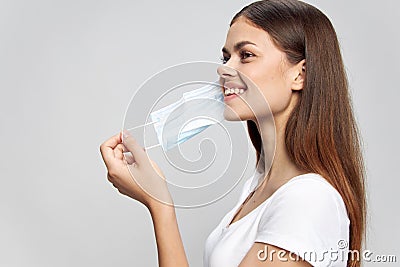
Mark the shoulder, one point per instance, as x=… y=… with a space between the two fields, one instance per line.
x=309 y=190
x=305 y=214
x=308 y=201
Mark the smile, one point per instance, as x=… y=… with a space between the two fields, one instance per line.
x=236 y=91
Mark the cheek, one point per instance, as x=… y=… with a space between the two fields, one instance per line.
x=278 y=98
x=268 y=92
x=273 y=88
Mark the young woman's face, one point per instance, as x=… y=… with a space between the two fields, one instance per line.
x=253 y=63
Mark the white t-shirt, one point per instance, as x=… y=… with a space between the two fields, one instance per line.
x=306 y=216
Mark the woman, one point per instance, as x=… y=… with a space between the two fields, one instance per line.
x=311 y=202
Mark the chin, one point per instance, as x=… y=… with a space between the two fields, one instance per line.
x=233 y=115
x=230 y=114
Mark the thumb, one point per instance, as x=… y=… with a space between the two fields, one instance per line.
x=133 y=146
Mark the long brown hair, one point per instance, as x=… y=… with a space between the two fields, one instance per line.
x=321 y=134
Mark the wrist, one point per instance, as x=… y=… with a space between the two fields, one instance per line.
x=156 y=206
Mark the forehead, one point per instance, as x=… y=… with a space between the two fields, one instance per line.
x=243 y=30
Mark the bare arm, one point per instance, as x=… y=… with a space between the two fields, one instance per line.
x=169 y=243
x=138 y=177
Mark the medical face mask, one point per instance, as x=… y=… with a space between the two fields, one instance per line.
x=193 y=113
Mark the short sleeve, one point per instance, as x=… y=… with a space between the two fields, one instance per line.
x=307 y=217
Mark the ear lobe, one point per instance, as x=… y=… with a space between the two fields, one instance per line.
x=298 y=81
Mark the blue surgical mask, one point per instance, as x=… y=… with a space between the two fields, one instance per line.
x=193 y=113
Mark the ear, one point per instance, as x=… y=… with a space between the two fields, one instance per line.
x=299 y=72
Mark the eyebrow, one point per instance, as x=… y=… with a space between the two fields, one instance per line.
x=238 y=46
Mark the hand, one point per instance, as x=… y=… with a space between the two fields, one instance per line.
x=135 y=174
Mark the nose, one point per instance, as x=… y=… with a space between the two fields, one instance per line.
x=225 y=71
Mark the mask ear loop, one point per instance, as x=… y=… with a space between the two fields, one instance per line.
x=141 y=126
x=149 y=147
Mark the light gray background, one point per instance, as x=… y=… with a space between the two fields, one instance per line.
x=67 y=72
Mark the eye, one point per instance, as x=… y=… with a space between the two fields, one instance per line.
x=245 y=54
x=224 y=59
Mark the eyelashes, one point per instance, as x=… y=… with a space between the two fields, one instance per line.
x=246 y=54
x=243 y=56
x=223 y=59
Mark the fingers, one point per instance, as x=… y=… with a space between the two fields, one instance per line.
x=132 y=146
x=113 y=149
x=129 y=158
x=122 y=152
x=107 y=148
x=119 y=150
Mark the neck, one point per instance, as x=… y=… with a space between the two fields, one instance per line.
x=275 y=161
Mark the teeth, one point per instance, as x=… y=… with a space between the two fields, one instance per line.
x=233 y=91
